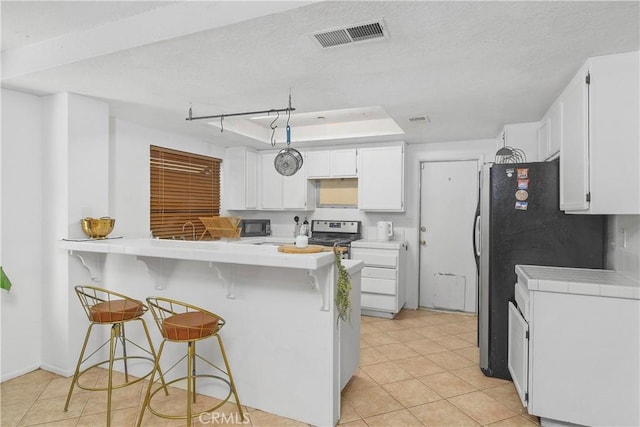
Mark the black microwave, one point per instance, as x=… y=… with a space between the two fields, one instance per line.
x=255 y=227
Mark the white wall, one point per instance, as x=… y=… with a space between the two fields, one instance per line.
x=129 y=175
x=623 y=245
x=20 y=231
x=75 y=184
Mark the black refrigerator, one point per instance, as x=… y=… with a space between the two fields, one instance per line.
x=519 y=221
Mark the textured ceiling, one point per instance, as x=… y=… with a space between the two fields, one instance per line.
x=470 y=67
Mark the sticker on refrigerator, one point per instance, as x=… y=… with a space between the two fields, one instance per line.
x=522 y=195
x=523 y=184
x=522 y=206
x=509 y=172
x=523 y=173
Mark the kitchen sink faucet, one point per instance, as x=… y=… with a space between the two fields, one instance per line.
x=193 y=230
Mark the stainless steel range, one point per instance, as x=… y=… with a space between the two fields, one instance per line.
x=335 y=233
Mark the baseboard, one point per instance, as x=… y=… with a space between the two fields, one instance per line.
x=11 y=375
x=56 y=370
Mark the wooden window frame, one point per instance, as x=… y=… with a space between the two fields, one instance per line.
x=183 y=187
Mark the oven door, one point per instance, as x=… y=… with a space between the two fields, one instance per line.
x=518 y=362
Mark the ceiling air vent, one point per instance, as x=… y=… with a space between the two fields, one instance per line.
x=348 y=35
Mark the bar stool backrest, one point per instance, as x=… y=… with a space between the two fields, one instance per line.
x=179 y=321
x=105 y=306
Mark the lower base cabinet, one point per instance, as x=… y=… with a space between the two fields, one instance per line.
x=383 y=283
x=574 y=346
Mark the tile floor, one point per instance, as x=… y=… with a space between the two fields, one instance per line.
x=418 y=369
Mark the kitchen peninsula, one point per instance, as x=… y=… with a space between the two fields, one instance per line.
x=289 y=353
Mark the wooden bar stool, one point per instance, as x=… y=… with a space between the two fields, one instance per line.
x=184 y=323
x=104 y=307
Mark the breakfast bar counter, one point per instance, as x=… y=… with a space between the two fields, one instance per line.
x=289 y=352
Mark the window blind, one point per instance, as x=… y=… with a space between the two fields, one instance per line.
x=184 y=187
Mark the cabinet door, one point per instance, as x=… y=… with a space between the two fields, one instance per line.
x=381 y=179
x=343 y=163
x=270 y=184
x=518 y=357
x=294 y=190
x=554 y=130
x=574 y=158
x=240 y=179
x=318 y=164
x=614 y=133
x=543 y=139
x=251 y=180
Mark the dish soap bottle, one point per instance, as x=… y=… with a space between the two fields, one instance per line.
x=296 y=229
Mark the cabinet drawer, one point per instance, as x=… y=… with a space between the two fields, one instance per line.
x=379 y=302
x=379 y=286
x=379 y=273
x=376 y=257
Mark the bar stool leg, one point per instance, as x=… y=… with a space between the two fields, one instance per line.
x=190 y=379
x=233 y=384
x=155 y=356
x=147 y=397
x=123 y=339
x=115 y=333
x=75 y=375
x=193 y=372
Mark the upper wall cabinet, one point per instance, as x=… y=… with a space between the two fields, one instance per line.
x=550 y=133
x=523 y=136
x=283 y=192
x=332 y=163
x=381 y=179
x=240 y=179
x=600 y=137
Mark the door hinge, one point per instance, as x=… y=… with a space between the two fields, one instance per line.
x=526 y=335
x=588 y=196
x=526 y=397
x=587 y=79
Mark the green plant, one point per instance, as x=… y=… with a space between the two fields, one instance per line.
x=5 y=283
x=343 y=291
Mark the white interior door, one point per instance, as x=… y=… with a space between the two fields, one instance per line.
x=448 y=200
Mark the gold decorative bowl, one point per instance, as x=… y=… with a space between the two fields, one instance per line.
x=97 y=228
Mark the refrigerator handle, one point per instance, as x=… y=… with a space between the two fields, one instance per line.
x=476 y=236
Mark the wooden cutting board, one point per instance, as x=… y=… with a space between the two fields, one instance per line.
x=311 y=249
x=293 y=249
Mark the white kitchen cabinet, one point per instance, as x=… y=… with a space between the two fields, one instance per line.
x=340 y=163
x=574 y=345
x=240 y=179
x=543 y=139
x=383 y=276
x=600 y=143
x=523 y=136
x=381 y=179
x=550 y=133
x=283 y=192
x=554 y=124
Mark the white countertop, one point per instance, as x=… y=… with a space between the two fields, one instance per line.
x=379 y=244
x=222 y=251
x=582 y=281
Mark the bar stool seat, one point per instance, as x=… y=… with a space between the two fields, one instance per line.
x=105 y=307
x=191 y=325
x=180 y=322
x=116 y=311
